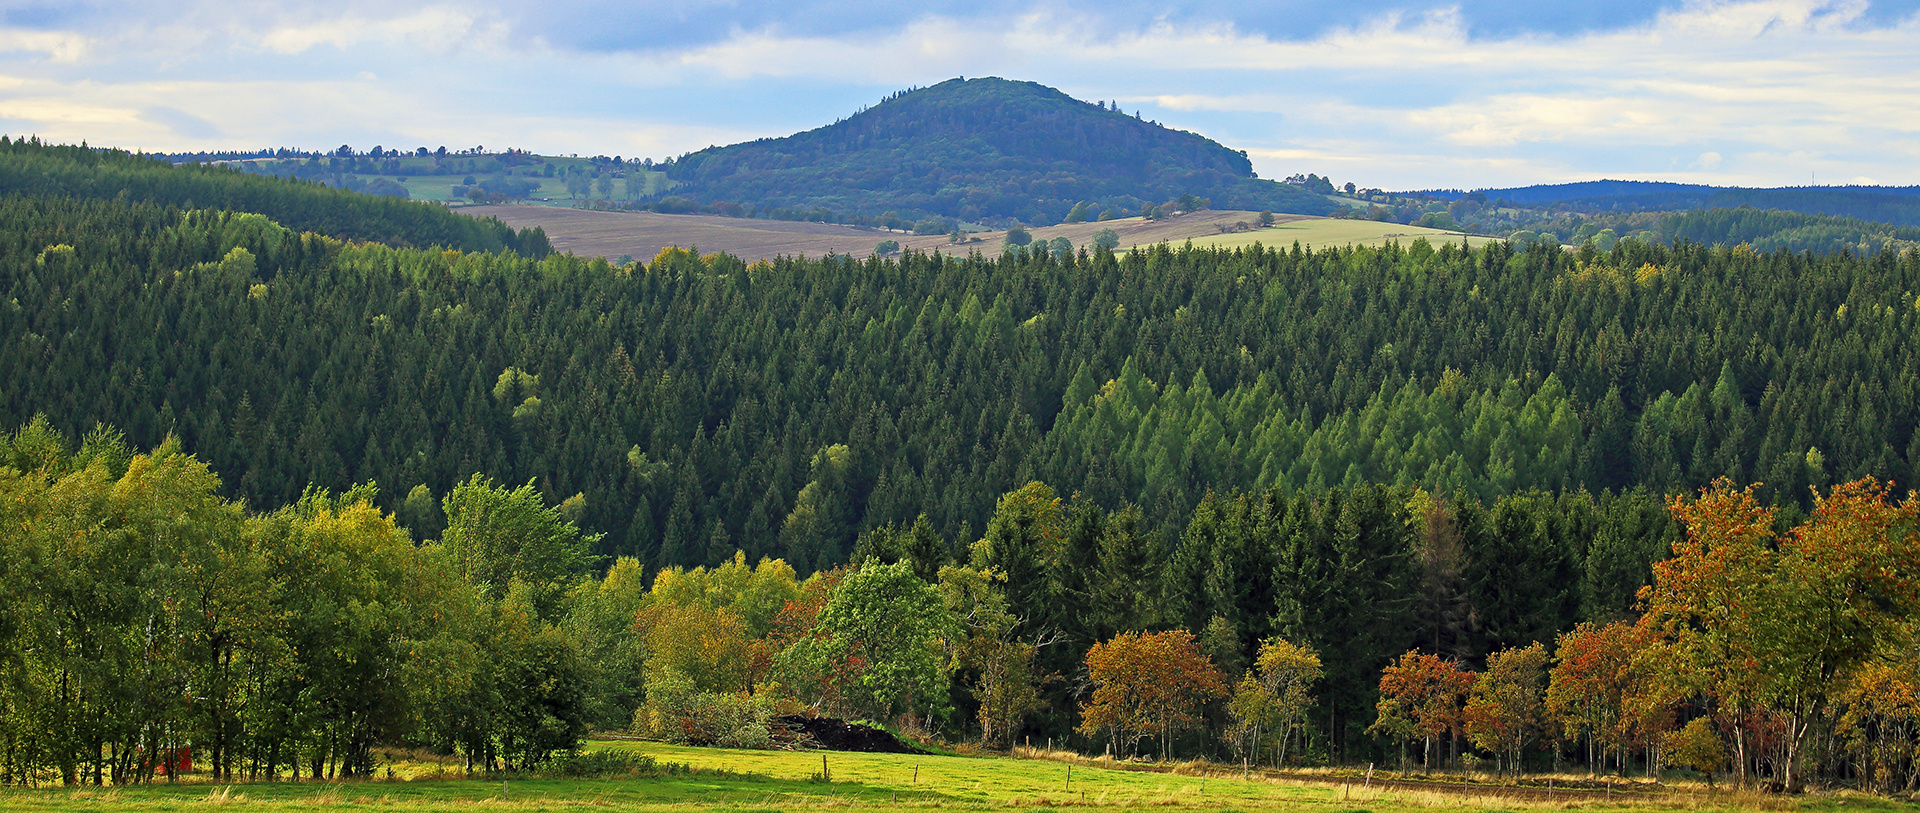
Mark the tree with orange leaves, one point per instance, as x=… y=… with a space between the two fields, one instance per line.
x=1706 y=601
x=1780 y=623
x=1846 y=582
x=1593 y=674
x=1148 y=684
x=1421 y=697
x=798 y=621
x=1506 y=711
x=1882 y=716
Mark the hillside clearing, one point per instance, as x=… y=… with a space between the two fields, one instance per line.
x=642 y=234
x=1324 y=232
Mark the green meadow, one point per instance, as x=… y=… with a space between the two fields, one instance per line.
x=731 y=781
x=1328 y=233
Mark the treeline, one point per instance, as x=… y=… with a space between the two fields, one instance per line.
x=699 y=405
x=1359 y=575
x=1896 y=207
x=1892 y=205
x=1772 y=230
x=1783 y=653
x=144 y=614
x=1765 y=230
x=33 y=169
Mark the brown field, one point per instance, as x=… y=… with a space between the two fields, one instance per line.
x=642 y=234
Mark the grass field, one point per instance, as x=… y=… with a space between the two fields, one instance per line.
x=643 y=234
x=780 y=781
x=1324 y=233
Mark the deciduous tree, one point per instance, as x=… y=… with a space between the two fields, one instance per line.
x=1148 y=684
x=1505 y=712
x=1421 y=697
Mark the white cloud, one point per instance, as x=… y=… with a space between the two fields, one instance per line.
x=1773 y=75
x=56 y=46
x=1778 y=89
x=437 y=29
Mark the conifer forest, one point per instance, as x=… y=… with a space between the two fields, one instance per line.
x=290 y=473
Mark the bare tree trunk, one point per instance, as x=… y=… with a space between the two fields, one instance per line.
x=1797 y=728
x=1740 y=749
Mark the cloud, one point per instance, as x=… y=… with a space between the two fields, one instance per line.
x=56 y=46
x=1402 y=93
x=436 y=28
x=1767 y=77
x=181 y=122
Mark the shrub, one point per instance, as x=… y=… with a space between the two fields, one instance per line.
x=676 y=713
x=605 y=762
x=935 y=225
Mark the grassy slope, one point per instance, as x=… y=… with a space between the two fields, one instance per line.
x=769 y=781
x=643 y=234
x=1326 y=233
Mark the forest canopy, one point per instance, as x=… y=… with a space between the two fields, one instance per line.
x=1400 y=487
x=698 y=404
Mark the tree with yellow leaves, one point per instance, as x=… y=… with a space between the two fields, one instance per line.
x=1148 y=684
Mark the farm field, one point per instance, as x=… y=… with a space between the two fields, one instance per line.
x=643 y=234
x=770 y=781
x=1327 y=232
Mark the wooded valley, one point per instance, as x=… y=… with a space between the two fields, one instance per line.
x=521 y=495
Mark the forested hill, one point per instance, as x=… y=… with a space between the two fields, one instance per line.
x=1895 y=205
x=984 y=149
x=31 y=168
x=1764 y=230
x=701 y=404
x=1770 y=230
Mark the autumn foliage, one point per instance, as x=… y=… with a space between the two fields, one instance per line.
x=1768 y=629
x=1593 y=684
x=1421 y=697
x=1751 y=639
x=1505 y=711
x=1148 y=684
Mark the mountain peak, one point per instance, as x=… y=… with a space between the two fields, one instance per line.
x=983 y=149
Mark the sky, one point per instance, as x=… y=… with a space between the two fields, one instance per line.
x=1397 y=95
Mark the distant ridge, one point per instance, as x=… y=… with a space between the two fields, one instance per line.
x=987 y=150
x=30 y=168
x=1551 y=193
x=1898 y=205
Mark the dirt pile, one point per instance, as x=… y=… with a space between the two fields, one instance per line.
x=833 y=734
